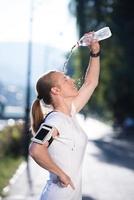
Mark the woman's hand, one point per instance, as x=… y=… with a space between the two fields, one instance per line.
x=94 y=47
x=65 y=180
x=93 y=43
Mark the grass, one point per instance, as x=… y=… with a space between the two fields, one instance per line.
x=8 y=166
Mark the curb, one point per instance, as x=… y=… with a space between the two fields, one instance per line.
x=19 y=171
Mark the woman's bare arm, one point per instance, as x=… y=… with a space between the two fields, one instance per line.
x=39 y=152
x=90 y=81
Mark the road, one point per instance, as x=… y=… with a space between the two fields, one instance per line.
x=108 y=170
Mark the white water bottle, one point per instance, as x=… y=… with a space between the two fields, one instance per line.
x=99 y=35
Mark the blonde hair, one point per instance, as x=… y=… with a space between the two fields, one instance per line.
x=43 y=88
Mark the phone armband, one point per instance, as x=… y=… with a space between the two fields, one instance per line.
x=44 y=134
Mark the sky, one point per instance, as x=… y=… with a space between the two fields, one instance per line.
x=52 y=22
x=53 y=28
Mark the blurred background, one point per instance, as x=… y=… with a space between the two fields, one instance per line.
x=37 y=36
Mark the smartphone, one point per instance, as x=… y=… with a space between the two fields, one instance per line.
x=43 y=134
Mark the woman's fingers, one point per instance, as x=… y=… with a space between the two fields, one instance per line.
x=91 y=33
x=65 y=180
x=72 y=185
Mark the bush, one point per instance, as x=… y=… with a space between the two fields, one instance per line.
x=10 y=152
x=11 y=140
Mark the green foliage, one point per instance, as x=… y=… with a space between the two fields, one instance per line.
x=11 y=141
x=10 y=152
x=114 y=97
x=123 y=20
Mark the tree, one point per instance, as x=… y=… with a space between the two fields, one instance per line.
x=115 y=94
x=122 y=77
x=92 y=15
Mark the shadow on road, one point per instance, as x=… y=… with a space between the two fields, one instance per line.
x=115 y=151
x=87 y=198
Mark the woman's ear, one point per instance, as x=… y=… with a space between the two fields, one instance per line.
x=55 y=90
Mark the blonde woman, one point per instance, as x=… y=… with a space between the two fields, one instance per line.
x=64 y=156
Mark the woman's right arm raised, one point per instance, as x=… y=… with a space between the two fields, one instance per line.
x=39 y=152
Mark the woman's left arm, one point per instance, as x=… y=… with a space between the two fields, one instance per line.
x=91 y=78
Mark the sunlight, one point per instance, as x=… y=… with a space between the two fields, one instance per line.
x=52 y=22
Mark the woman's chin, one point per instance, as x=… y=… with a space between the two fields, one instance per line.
x=76 y=93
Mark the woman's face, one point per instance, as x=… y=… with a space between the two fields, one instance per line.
x=66 y=85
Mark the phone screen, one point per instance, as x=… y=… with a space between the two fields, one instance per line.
x=41 y=134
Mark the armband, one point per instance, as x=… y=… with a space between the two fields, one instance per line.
x=44 y=134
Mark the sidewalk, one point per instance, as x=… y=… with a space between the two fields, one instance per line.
x=28 y=186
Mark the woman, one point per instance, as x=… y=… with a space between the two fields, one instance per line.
x=63 y=158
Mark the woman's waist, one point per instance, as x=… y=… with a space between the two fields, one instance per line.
x=74 y=174
x=76 y=179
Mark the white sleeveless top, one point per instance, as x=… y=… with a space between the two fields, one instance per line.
x=67 y=151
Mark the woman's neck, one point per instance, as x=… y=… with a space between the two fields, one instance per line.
x=64 y=107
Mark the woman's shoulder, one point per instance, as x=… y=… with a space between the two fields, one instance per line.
x=54 y=119
x=53 y=115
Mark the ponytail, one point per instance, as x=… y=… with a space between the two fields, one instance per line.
x=36 y=115
x=43 y=88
